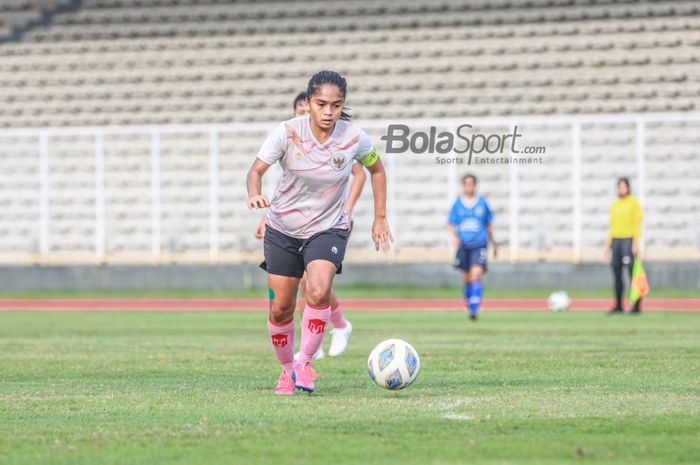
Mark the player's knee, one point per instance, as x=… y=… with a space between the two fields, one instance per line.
x=281 y=311
x=318 y=295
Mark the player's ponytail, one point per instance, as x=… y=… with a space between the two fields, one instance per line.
x=329 y=77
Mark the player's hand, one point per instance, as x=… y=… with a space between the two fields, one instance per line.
x=495 y=250
x=352 y=223
x=606 y=253
x=259 y=232
x=381 y=234
x=258 y=201
x=635 y=248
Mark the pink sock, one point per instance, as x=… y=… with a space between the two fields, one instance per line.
x=313 y=328
x=337 y=317
x=283 y=341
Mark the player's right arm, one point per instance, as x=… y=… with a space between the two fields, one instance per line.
x=452 y=226
x=270 y=152
x=453 y=234
x=254 y=185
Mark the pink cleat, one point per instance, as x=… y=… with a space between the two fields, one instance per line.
x=285 y=384
x=304 y=377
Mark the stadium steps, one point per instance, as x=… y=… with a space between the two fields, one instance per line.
x=232 y=19
x=20 y=17
x=638 y=57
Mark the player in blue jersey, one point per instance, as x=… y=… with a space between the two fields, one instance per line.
x=471 y=226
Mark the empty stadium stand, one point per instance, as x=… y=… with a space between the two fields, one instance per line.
x=104 y=63
x=128 y=61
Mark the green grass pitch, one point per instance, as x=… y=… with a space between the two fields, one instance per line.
x=190 y=388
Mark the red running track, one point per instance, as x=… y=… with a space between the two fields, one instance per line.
x=357 y=304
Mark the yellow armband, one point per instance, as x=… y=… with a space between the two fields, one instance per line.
x=370 y=159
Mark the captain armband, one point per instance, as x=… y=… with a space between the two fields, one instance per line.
x=370 y=159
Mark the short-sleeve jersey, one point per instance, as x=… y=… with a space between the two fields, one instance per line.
x=471 y=221
x=310 y=196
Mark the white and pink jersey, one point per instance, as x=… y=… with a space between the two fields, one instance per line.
x=310 y=197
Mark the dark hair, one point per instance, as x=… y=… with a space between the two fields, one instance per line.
x=467 y=176
x=328 y=77
x=300 y=98
x=626 y=181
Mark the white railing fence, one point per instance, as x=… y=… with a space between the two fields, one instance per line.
x=159 y=194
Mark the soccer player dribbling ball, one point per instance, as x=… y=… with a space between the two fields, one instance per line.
x=342 y=328
x=307 y=224
x=470 y=225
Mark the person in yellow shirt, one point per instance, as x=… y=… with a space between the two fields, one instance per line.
x=623 y=240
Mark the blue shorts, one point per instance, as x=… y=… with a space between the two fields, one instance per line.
x=466 y=258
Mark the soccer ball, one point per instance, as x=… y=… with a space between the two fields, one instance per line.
x=558 y=301
x=393 y=364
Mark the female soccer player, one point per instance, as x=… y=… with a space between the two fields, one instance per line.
x=307 y=225
x=470 y=225
x=342 y=328
x=623 y=240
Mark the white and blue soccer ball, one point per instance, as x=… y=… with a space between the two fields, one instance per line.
x=558 y=301
x=393 y=364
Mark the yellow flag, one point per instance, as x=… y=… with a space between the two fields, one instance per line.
x=640 y=285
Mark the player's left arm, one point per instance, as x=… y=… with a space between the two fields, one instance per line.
x=492 y=239
x=367 y=156
x=489 y=230
x=381 y=234
x=358 y=182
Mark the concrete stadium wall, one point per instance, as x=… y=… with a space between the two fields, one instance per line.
x=684 y=275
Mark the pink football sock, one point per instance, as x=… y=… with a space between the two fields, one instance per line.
x=337 y=317
x=313 y=328
x=283 y=342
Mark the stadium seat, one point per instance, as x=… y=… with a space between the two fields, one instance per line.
x=137 y=62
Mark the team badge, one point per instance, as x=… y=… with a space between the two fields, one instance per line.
x=297 y=155
x=338 y=161
x=279 y=340
x=317 y=326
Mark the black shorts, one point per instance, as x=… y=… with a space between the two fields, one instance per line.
x=288 y=256
x=622 y=252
